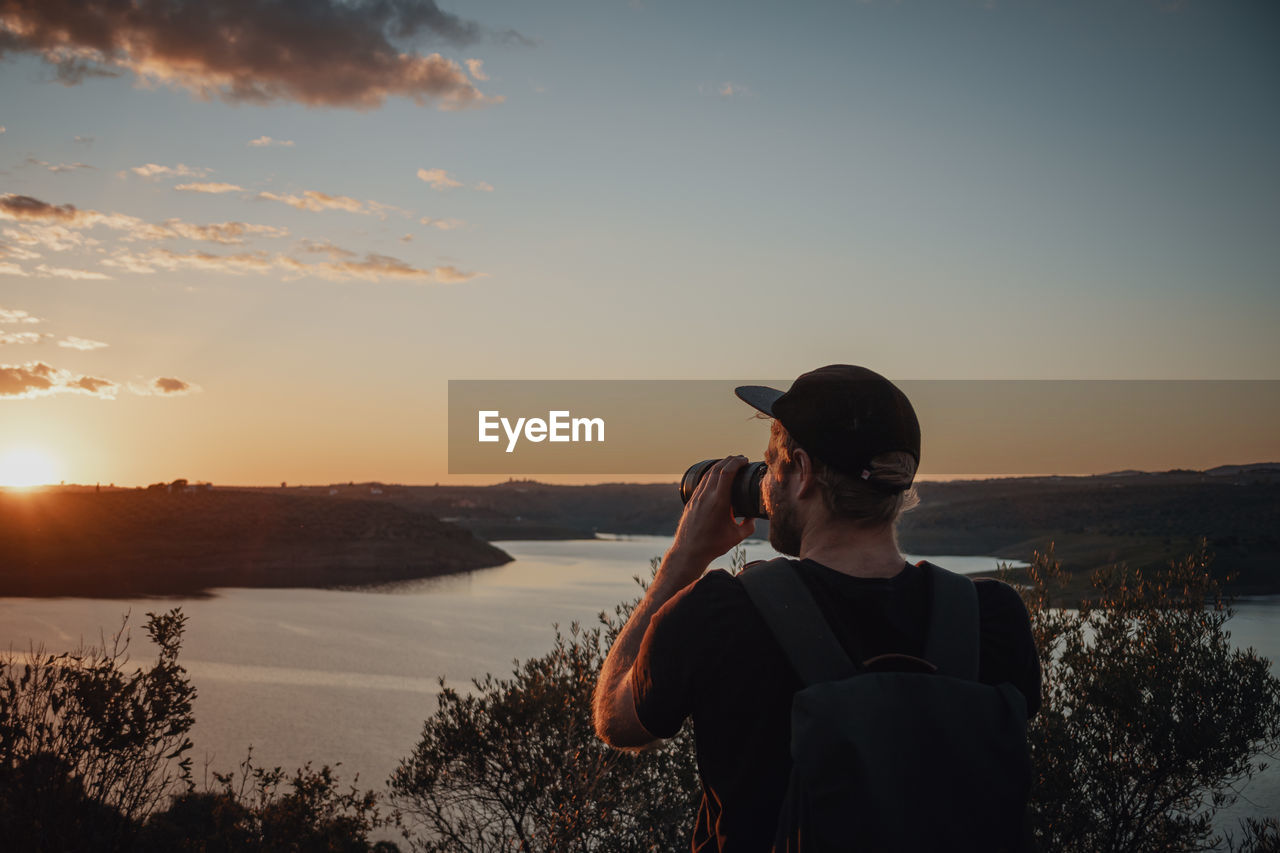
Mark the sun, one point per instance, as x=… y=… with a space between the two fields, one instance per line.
x=27 y=466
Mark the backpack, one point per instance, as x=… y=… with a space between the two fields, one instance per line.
x=896 y=753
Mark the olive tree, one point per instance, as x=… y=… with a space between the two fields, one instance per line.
x=89 y=750
x=514 y=764
x=1151 y=718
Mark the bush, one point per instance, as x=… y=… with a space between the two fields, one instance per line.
x=263 y=812
x=1150 y=718
x=516 y=765
x=88 y=752
x=89 y=755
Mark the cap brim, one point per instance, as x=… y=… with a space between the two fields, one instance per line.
x=760 y=397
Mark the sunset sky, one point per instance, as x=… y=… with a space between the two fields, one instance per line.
x=250 y=241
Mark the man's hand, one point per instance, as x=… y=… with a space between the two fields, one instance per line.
x=707 y=530
x=708 y=527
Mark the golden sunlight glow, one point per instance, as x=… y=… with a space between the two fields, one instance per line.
x=27 y=466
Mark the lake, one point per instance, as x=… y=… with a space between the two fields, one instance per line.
x=332 y=676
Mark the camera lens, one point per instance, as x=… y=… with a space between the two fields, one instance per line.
x=745 y=495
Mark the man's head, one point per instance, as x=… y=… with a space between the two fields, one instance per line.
x=844 y=449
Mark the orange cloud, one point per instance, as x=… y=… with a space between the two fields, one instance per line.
x=375 y=267
x=93 y=385
x=265 y=141
x=55 y=238
x=317 y=201
x=64 y=272
x=153 y=259
x=171 y=385
x=153 y=170
x=84 y=344
x=23 y=207
x=17 y=315
x=210 y=187
x=322 y=53
x=227 y=233
x=37 y=379
x=20 y=337
x=442 y=224
x=341 y=267
x=325 y=248
x=438 y=178
x=58 y=167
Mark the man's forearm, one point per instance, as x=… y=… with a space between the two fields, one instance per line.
x=677 y=571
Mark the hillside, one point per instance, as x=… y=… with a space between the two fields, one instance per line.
x=127 y=542
x=1141 y=518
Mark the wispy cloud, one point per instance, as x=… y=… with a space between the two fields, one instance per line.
x=442 y=224
x=317 y=201
x=57 y=167
x=7 y=268
x=484 y=187
x=64 y=272
x=210 y=187
x=41 y=223
x=23 y=207
x=724 y=90
x=55 y=238
x=83 y=344
x=155 y=170
x=382 y=210
x=17 y=315
x=476 y=67
x=37 y=379
x=324 y=248
x=19 y=337
x=375 y=267
x=267 y=141
x=83 y=140
x=342 y=265
x=166 y=259
x=325 y=52
x=439 y=179
x=172 y=385
x=227 y=233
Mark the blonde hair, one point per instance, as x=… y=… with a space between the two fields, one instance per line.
x=850 y=498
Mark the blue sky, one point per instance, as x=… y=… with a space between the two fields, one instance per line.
x=700 y=190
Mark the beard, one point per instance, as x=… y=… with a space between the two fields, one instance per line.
x=784 y=528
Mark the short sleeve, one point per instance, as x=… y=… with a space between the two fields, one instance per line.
x=664 y=676
x=1008 y=647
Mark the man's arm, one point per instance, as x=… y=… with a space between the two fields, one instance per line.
x=707 y=530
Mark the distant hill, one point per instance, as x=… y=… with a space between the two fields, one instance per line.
x=125 y=541
x=156 y=542
x=1139 y=517
x=1142 y=519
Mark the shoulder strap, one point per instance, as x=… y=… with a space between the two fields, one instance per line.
x=952 y=642
x=797 y=624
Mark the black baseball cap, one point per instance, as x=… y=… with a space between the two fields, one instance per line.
x=843 y=416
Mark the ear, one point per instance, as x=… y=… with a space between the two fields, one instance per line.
x=806 y=476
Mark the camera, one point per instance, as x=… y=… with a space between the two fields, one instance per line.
x=745 y=495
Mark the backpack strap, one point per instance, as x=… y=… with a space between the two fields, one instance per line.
x=952 y=641
x=796 y=622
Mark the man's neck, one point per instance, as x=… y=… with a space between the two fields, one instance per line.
x=854 y=551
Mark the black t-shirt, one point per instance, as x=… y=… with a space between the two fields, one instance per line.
x=709 y=655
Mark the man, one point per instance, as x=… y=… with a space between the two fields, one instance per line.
x=843 y=451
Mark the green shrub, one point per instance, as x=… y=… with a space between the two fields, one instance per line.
x=87 y=750
x=1151 y=719
x=515 y=765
